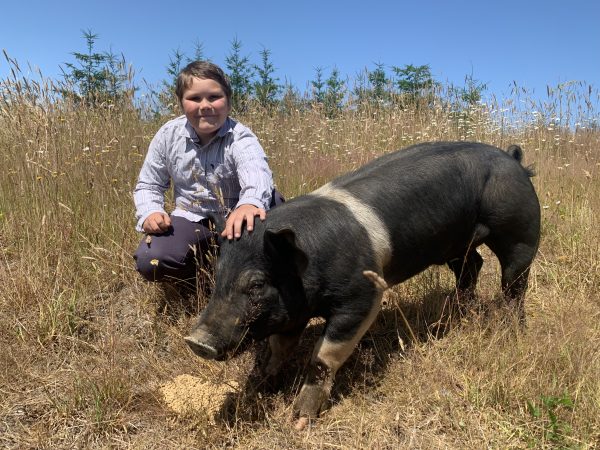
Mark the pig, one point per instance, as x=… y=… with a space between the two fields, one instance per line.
x=332 y=253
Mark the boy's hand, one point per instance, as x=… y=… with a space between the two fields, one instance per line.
x=157 y=223
x=244 y=213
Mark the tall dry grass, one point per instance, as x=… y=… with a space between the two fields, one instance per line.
x=86 y=344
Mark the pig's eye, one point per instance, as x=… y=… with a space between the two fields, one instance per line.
x=256 y=287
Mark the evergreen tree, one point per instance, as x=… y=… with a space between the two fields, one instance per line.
x=240 y=75
x=372 y=87
x=361 y=87
x=97 y=77
x=318 y=86
x=379 y=83
x=472 y=90
x=334 y=94
x=173 y=69
x=118 y=77
x=414 y=82
x=167 y=99
x=87 y=79
x=198 y=52
x=291 y=99
x=266 y=88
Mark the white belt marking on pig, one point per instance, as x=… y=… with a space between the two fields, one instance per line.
x=367 y=217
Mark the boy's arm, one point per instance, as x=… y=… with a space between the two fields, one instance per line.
x=254 y=175
x=153 y=181
x=256 y=183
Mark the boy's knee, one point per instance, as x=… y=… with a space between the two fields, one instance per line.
x=156 y=263
x=149 y=265
x=174 y=254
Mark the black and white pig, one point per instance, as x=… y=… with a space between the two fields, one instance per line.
x=330 y=253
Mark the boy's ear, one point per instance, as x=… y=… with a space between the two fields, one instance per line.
x=283 y=253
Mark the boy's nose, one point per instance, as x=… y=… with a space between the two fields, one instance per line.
x=205 y=104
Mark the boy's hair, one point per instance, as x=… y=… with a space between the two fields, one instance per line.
x=204 y=70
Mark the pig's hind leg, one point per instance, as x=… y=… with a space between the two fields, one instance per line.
x=511 y=211
x=515 y=261
x=466 y=271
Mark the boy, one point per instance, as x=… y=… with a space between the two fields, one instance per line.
x=215 y=163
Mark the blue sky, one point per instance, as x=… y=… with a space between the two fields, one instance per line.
x=534 y=43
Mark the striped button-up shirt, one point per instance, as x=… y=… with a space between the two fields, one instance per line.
x=229 y=171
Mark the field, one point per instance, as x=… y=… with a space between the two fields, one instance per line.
x=86 y=345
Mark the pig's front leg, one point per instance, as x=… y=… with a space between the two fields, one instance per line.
x=270 y=357
x=280 y=348
x=328 y=356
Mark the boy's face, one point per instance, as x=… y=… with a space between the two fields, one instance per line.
x=206 y=107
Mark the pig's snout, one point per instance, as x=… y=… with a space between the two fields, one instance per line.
x=215 y=340
x=202 y=346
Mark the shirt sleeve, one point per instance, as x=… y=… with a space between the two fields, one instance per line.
x=254 y=175
x=153 y=181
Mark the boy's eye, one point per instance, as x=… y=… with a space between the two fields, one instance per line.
x=199 y=98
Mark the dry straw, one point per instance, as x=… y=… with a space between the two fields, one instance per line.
x=86 y=345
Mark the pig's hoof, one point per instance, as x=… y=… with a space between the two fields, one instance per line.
x=311 y=400
x=301 y=423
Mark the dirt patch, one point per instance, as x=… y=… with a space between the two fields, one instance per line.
x=188 y=394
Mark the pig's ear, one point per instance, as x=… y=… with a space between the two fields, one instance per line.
x=284 y=254
x=219 y=222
